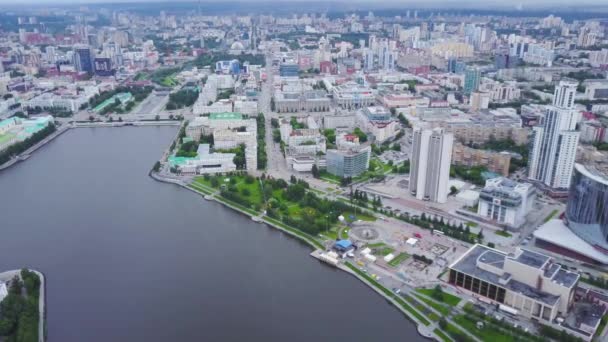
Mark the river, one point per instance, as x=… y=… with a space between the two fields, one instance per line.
x=127 y=258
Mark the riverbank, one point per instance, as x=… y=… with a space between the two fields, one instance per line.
x=423 y=325
x=67 y=126
x=8 y=275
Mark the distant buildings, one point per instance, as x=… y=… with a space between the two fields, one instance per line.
x=83 y=59
x=596 y=89
x=472 y=77
x=352 y=95
x=505 y=201
x=555 y=141
x=430 y=159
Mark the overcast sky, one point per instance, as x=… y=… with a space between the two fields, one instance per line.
x=483 y=4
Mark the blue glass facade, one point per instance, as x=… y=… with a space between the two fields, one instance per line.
x=587 y=210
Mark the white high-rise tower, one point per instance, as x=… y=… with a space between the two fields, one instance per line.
x=555 y=140
x=430 y=158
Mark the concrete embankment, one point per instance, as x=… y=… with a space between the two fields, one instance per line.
x=8 y=275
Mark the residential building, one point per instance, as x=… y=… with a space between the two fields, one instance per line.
x=83 y=59
x=505 y=201
x=497 y=162
x=555 y=141
x=430 y=160
x=472 y=77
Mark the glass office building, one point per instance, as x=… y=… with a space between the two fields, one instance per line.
x=587 y=210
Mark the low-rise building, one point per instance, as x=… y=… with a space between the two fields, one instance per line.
x=306 y=101
x=524 y=283
x=352 y=95
x=498 y=162
x=505 y=201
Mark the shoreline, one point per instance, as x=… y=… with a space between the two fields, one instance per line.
x=421 y=328
x=23 y=156
x=41 y=299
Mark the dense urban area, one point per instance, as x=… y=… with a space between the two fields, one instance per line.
x=455 y=161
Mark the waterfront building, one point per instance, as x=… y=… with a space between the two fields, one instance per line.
x=525 y=283
x=205 y=162
x=555 y=141
x=430 y=159
x=505 y=201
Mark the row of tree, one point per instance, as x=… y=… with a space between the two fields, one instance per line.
x=15 y=149
x=19 y=309
x=182 y=98
x=262 y=154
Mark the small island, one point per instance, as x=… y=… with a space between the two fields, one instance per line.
x=22 y=306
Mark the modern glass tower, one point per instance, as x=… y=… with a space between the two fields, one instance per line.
x=587 y=210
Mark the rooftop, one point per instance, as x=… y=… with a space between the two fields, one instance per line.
x=226 y=116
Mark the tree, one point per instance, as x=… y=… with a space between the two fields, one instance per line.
x=315 y=171
x=91 y=118
x=443 y=323
x=453 y=190
x=491 y=244
x=119 y=119
x=437 y=293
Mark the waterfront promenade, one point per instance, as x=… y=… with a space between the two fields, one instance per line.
x=424 y=328
x=8 y=275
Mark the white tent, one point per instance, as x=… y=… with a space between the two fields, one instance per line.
x=412 y=242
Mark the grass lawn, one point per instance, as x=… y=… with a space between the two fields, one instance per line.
x=387 y=292
x=308 y=238
x=254 y=189
x=384 y=251
x=358 y=216
x=398 y=259
x=551 y=215
x=503 y=233
x=448 y=299
x=328 y=177
x=344 y=233
x=331 y=234
x=452 y=330
x=442 y=335
x=201 y=188
x=472 y=224
x=487 y=333
x=438 y=307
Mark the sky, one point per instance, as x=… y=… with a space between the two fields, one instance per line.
x=483 y=4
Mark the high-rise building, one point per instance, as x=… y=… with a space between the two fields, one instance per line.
x=472 y=77
x=83 y=59
x=430 y=158
x=555 y=140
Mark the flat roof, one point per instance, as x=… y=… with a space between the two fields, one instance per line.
x=557 y=233
x=226 y=116
x=468 y=264
x=531 y=259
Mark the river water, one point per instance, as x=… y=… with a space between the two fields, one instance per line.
x=131 y=259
